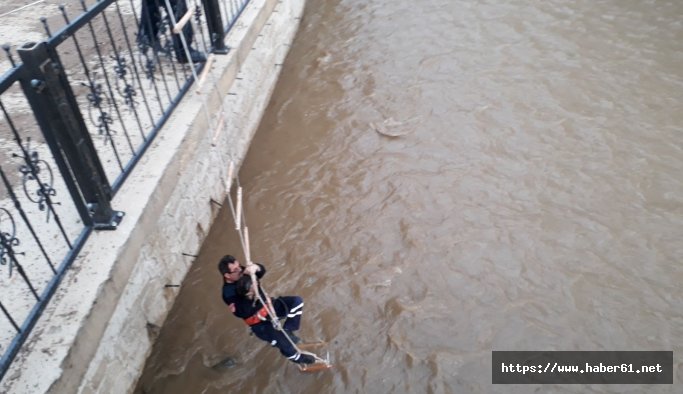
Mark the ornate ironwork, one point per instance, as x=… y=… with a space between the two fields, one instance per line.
x=163 y=26
x=95 y=95
x=103 y=125
x=160 y=47
x=128 y=92
x=8 y=239
x=150 y=68
x=31 y=171
x=121 y=69
x=197 y=14
x=100 y=118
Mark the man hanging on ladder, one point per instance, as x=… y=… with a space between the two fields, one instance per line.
x=238 y=294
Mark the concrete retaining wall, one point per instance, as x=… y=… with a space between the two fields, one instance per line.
x=97 y=332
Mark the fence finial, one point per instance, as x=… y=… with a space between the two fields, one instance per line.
x=43 y=20
x=7 y=48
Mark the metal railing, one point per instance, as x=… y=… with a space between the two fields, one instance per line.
x=79 y=110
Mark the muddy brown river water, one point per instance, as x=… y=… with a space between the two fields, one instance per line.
x=530 y=199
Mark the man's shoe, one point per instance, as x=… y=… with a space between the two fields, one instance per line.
x=195 y=56
x=306 y=359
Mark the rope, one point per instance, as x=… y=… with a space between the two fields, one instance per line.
x=21 y=8
x=237 y=213
x=243 y=231
x=188 y=58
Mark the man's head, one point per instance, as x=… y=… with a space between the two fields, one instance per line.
x=230 y=268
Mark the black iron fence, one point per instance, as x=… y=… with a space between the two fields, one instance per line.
x=78 y=110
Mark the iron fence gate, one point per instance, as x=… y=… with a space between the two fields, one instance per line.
x=78 y=111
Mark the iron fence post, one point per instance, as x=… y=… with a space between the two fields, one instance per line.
x=214 y=21
x=56 y=110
